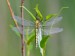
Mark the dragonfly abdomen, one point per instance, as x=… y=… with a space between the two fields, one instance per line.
x=36 y=38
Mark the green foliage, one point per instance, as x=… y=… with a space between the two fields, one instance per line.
x=43 y=41
x=49 y=16
x=31 y=38
x=38 y=12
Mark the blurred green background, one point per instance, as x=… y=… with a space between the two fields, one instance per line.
x=62 y=44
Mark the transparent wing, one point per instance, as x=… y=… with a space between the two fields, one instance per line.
x=26 y=30
x=52 y=31
x=53 y=21
x=26 y=22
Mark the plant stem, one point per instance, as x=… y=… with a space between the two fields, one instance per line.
x=44 y=50
x=28 y=50
x=22 y=35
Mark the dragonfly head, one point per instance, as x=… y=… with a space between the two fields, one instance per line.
x=38 y=18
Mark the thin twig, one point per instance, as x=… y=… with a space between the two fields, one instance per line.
x=22 y=35
x=12 y=14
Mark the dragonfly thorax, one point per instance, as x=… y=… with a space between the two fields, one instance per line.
x=37 y=24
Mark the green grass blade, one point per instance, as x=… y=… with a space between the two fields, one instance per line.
x=29 y=12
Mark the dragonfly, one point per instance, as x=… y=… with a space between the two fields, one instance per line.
x=40 y=27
